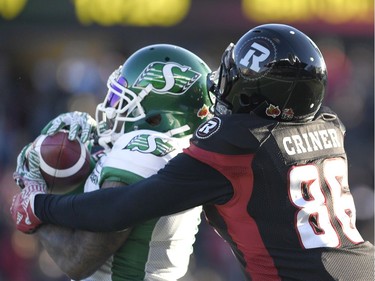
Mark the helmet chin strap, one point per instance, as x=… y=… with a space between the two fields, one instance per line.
x=106 y=142
x=177 y=131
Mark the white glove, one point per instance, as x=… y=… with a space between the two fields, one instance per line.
x=29 y=178
x=27 y=170
x=80 y=124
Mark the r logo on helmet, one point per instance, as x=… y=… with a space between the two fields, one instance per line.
x=255 y=54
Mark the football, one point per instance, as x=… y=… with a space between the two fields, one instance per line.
x=64 y=164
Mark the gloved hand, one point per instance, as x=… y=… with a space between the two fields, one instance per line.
x=28 y=167
x=22 y=209
x=80 y=124
x=28 y=177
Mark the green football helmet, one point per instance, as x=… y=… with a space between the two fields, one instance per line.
x=160 y=87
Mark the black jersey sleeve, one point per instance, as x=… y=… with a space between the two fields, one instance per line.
x=183 y=183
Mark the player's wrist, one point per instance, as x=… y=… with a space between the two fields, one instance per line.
x=32 y=201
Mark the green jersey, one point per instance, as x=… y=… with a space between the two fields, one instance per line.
x=158 y=249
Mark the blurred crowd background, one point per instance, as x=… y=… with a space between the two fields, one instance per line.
x=55 y=56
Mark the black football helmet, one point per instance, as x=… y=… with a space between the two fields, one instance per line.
x=274 y=70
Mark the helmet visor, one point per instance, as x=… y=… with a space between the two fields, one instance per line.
x=114 y=92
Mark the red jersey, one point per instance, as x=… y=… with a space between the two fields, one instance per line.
x=291 y=216
x=277 y=192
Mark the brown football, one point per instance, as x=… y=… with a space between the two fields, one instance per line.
x=64 y=164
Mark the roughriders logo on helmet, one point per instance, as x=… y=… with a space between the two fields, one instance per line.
x=167 y=78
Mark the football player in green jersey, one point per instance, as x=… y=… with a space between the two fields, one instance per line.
x=155 y=101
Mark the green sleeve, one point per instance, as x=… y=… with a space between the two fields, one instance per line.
x=118 y=175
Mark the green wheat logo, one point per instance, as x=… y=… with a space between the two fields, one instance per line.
x=167 y=78
x=146 y=143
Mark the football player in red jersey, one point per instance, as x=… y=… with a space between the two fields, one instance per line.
x=270 y=170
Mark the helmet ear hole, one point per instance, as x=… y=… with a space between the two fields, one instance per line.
x=154 y=120
x=245 y=100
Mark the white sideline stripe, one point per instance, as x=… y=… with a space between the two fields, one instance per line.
x=60 y=173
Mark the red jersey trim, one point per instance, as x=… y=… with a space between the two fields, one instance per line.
x=241 y=227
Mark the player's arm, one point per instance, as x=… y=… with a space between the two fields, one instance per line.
x=80 y=253
x=183 y=183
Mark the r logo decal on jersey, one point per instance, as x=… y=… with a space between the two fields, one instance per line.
x=149 y=144
x=167 y=78
x=208 y=128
